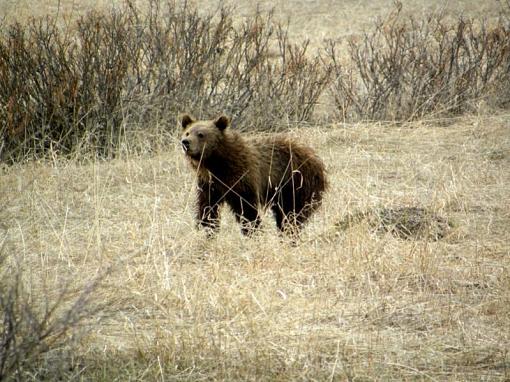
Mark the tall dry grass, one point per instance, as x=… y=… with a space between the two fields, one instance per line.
x=346 y=303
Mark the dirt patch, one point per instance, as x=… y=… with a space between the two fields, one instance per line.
x=402 y=222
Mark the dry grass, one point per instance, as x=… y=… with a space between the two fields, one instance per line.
x=314 y=20
x=345 y=304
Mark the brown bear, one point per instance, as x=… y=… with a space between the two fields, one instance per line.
x=274 y=172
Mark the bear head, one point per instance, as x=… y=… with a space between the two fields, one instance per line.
x=200 y=138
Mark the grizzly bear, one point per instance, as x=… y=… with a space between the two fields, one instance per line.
x=272 y=172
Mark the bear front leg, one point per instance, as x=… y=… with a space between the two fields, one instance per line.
x=246 y=213
x=208 y=215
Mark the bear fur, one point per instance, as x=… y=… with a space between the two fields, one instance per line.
x=247 y=174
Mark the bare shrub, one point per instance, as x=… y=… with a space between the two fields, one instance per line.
x=130 y=68
x=55 y=86
x=33 y=324
x=206 y=64
x=407 y=68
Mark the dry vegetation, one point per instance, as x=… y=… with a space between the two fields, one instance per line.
x=125 y=70
x=346 y=303
x=102 y=268
x=408 y=68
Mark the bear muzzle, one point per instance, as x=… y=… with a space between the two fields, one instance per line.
x=185 y=145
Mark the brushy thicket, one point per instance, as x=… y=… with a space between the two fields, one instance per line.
x=114 y=75
x=129 y=68
x=408 y=68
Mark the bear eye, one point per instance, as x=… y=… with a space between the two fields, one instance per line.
x=187 y=134
x=200 y=135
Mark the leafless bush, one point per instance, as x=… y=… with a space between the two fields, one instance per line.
x=32 y=326
x=205 y=64
x=130 y=67
x=407 y=68
x=55 y=86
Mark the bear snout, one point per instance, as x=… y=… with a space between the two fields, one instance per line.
x=185 y=144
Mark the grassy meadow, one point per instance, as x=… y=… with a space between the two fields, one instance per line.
x=107 y=253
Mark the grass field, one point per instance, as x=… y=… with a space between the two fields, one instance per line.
x=314 y=20
x=342 y=304
x=347 y=302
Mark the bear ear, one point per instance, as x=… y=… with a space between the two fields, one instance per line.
x=186 y=120
x=222 y=122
